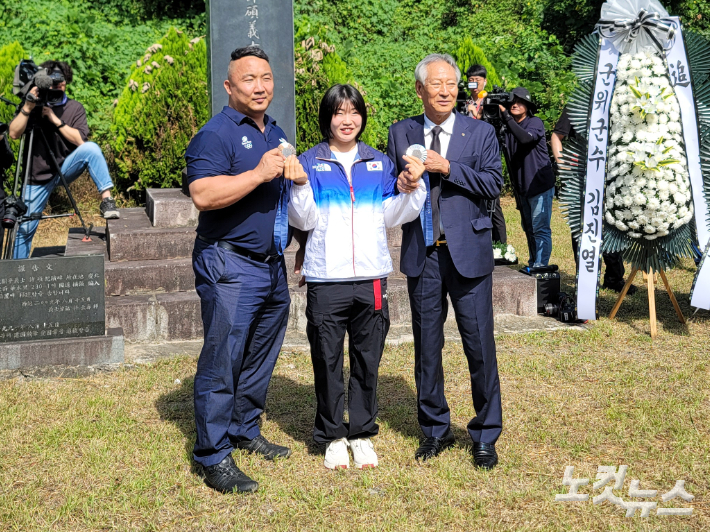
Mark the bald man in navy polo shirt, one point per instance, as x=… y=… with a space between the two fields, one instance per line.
x=235 y=173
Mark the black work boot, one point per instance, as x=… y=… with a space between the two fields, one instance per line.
x=227 y=477
x=262 y=446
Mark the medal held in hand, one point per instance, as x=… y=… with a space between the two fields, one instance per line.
x=286 y=149
x=418 y=151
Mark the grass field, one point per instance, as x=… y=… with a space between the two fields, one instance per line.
x=112 y=452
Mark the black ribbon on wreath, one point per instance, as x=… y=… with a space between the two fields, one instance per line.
x=623 y=32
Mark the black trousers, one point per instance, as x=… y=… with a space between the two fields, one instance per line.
x=361 y=309
x=614 y=272
x=499 y=229
x=472 y=300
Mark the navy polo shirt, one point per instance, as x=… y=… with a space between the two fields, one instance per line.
x=230 y=144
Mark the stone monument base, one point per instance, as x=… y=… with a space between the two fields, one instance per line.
x=81 y=351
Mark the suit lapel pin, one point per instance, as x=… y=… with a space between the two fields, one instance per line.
x=463 y=134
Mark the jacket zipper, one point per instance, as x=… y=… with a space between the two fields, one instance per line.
x=352 y=204
x=352 y=219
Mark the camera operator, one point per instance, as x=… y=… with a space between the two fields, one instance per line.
x=66 y=130
x=614 y=272
x=531 y=174
x=474 y=106
x=477 y=75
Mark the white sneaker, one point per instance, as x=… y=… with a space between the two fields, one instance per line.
x=336 y=455
x=363 y=453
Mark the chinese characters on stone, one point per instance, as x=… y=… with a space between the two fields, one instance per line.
x=252 y=14
x=611 y=478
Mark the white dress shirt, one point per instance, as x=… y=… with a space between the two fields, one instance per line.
x=444 y=136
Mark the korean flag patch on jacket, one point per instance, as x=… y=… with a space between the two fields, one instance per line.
x=374 y=166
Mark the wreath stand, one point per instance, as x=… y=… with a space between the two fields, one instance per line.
x=650 y=279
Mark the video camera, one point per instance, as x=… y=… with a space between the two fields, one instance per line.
x=564 y=310
x=462 y=97
x=29 y=75
x=491 y=109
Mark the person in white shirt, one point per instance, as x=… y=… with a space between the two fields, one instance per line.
x=346 y=206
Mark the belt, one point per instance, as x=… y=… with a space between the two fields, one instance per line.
x=258 y=257
x=437 y=244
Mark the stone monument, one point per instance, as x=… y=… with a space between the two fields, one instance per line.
x=264 y=23
x=52 y=312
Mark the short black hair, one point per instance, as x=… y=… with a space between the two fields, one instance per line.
x=61 y=66
x=478 y=71
x=249 y=50
x=332 y=100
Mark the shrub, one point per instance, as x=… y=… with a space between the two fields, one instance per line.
x=163 y=105
x=318 y=67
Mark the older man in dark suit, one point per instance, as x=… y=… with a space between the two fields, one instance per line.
x=448 y=251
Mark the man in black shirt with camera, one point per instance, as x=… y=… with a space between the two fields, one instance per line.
x=64 y=126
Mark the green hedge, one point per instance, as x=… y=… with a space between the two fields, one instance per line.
x=163 y=105
x=10 y=56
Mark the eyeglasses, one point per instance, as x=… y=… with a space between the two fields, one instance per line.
x=436 y=85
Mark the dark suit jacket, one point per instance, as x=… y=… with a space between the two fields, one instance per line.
x=476 y=176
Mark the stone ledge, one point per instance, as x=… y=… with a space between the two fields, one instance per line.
x=132 y=237
x=176 y=316
x=169 y=207
x=83 y=351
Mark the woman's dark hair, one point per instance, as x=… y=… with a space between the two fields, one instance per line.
x=333 y=99
x=476 y=71
x=63 y=67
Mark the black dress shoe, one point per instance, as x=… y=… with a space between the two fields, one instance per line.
x=227 y=477
x=484 y=455
x=431 y=447
x=263 y=447
x=618 y=287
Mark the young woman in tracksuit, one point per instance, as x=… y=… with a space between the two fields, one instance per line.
x=346 y=206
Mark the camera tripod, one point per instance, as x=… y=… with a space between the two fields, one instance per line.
x=15 y=201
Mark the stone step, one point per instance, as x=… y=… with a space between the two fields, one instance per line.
x=137 y=277
x=84 y=351
x=132 y=237
x=394 y=237
x=76 y=245
x=169 y=207
x=176 y=316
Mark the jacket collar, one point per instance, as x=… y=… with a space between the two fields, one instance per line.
x=459 y=138
x=364 y=152
x=240 y=118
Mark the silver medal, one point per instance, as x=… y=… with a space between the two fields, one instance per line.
x=287 y=149
x=418 y=151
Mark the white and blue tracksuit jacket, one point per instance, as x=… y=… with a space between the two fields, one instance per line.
x=347 y=239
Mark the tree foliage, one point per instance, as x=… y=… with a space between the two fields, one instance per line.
x=163 y=105
x=373 y=44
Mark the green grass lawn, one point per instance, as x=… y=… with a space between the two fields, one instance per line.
x=112 y=452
